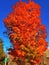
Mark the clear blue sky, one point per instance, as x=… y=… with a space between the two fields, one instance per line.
x=5 y=9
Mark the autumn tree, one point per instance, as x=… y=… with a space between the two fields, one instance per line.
x=2 y=54
x=26 y=32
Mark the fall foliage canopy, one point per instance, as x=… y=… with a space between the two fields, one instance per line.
x=26 y=32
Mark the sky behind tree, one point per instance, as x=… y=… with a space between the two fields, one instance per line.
x=6 y=8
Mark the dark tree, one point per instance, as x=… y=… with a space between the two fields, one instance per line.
x=2 y=54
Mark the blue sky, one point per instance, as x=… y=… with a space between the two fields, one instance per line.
x=5 y=9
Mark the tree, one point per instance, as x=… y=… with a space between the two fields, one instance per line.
x=2 y=54
x=26 y=32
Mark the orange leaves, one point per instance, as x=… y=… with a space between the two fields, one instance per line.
x=28 y=34
x=41 y=49
x=32 y=61
x=23 y=53
x=33 y=5
x=13 y=36
x=32 y=43
x=6 y=21
x=34 y=25
x=20 y=53
x=43 y=28
x=16 y=30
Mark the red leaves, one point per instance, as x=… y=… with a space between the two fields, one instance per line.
x=27 y=31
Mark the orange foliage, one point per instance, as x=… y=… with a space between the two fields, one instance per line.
x=26 y=31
